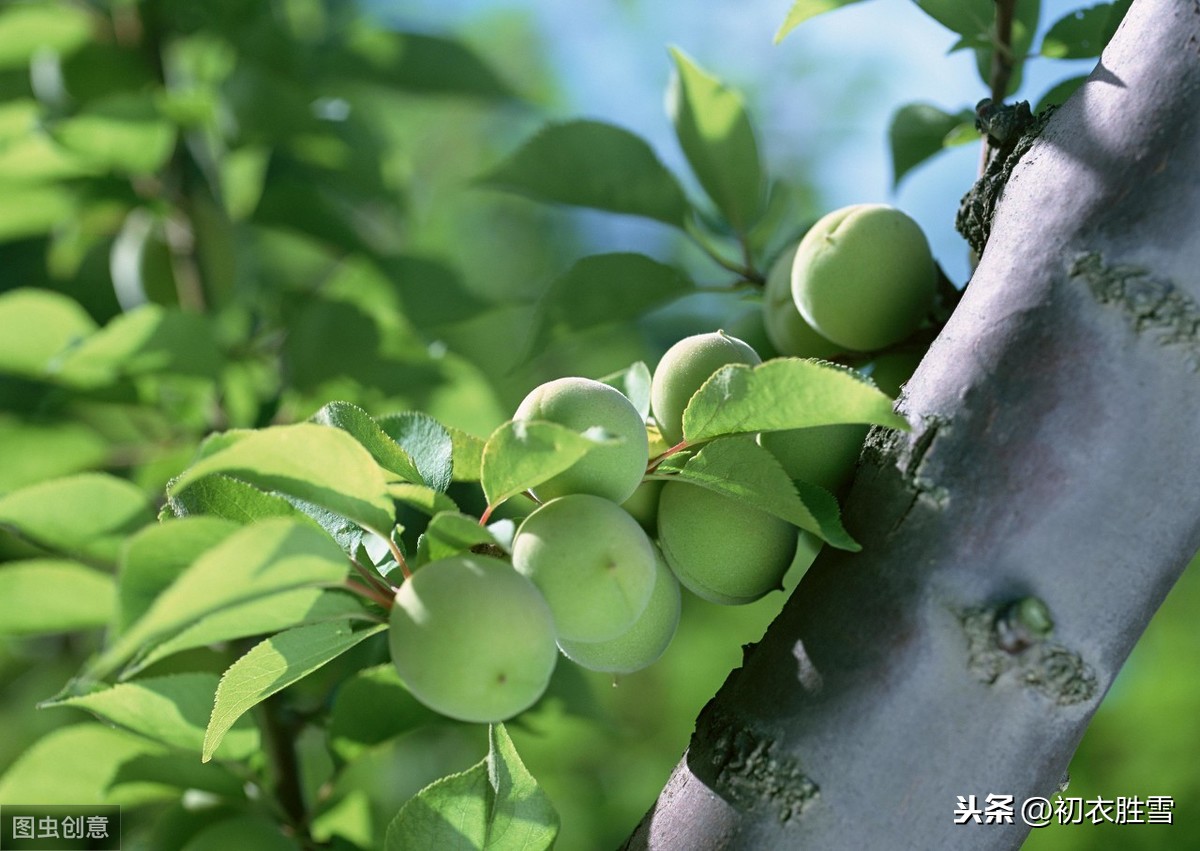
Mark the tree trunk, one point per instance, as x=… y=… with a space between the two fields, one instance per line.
x=1051 y=475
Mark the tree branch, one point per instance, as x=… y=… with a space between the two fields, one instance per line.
x=1050 y=417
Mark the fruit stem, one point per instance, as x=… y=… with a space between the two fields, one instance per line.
x=399 y=556
x=658 y=459
x=373 y=579
x=487 y=513
x=372 y=594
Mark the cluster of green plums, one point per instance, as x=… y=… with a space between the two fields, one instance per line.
x=597 y=567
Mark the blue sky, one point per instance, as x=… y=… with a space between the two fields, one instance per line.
x=824 y=96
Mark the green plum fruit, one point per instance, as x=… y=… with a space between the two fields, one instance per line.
x=821 y=455
x=612 y=471
x=686 y=366
x=863 y=276
x=890 y=371
x=786 y=329
x=643 y=643
x=591 y=561
x=472 y=638
x=720 y=548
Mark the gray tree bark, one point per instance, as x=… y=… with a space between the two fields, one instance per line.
x=1051 y=476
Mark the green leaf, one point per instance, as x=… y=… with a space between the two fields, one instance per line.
x=77 y=765
x=419 y=63
x=715 y=134
x=494 y=806
x=26 y=28
x=35 y=325
x=30 y=211
x=172 y=710
x=316 y=463
x=971 y=19
x=592 y=164
x=604 y=289
x=634 y=383
x=32 y=451
x=824 y=507
x=918 y=131
x=146 y=340
x=247 y=831
x=358 y=423
x=122 y=132
x=522 y=455
x=782 y=394
x=426 y=500
x=221 y=496
x=87 y=516
x=273 y=665
x=467 y=455
x=426 y=441
x=1115 y=16
x=255 y=561
x=1059 y=93
x=258 y=617
x=1078 y=35
x=371 y=707
x=738 y=467
x=802 y=10
x=153 y=558
x=450 y=533
x=52 y=595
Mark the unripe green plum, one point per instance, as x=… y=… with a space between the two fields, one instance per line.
x=643 y=643
x=892 y=370
x=821 y=455
x=611 y=471
x=472 y=638
x=863 y=276
x=686 y=366
x=789 y=333
x=720 y=548
x=591 y=561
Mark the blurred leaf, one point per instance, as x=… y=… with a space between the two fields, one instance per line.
x=802 y=10
x=969 y=18
x=738 y=467
x=370 y=707
x=88 y=515
x=521 y=455
x=782 y=394
x=153 y=558
x=496 y=806
x=918 y=131
x=604 y=289
x=266 y=558
x=273 y=665
x=258 y=617
x=172 y=710
x=962 y=134
x=466 y=455
x=591 y=164
x=35 y=325
x=33 y=210
x=419 y=63
x=433 y=294
x=1115 y=16
x=51 y=595
x=1058 y=94
x=32 y=451
x=76 y=765
x=424 y=499
x=717 y=138
x=123 y=132
x=242 y=175
x=246 y=831
x=634 y=383
x=312 y=462
x=147 y=339
x=383 y=448
x=426 y=441
x=26 y=28
x=1079 y=34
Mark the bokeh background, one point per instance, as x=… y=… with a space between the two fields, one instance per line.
x=345 y=250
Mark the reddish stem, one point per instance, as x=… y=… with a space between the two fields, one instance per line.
x=372 y=594
x=658 y=459
x=487 y=513
x=399 y=556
